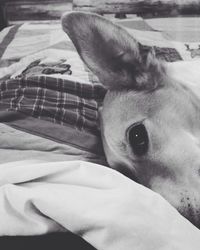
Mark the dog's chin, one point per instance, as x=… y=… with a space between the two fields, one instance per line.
x=192 y=215
x=189 y=207
x=194 y=221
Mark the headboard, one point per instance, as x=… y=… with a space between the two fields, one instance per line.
x=22 y=10
x=140 y=7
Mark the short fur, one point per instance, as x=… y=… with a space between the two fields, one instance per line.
x=141 y=89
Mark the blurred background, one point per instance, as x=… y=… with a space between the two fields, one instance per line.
x=13 y=11
x=163 y=13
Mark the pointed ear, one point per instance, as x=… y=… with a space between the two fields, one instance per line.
x=109 y=51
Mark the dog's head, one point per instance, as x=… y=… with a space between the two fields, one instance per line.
x=150 y=122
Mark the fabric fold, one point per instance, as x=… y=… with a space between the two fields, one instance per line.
x=97 y=203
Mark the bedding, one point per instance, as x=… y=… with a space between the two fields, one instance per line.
x=101 y=205
x=53 y=173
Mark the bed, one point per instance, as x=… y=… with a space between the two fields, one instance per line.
x=57 y=190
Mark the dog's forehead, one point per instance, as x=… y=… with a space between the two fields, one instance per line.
x=134 y=105
x=172 y=102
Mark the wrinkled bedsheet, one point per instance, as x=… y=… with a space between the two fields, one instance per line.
x=107 y=209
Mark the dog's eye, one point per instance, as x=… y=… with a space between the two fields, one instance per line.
x=138 y=139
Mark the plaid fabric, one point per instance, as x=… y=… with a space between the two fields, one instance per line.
x=57 y=100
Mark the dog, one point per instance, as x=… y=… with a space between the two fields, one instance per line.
x=150 y=118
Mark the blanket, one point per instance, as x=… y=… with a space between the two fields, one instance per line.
x=101 y=205
x=50 y=143
x=48 y=92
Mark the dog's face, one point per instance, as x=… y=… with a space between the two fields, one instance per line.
x=155 y=137
x=149 y=120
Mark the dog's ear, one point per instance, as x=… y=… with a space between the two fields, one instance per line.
x=110 y=52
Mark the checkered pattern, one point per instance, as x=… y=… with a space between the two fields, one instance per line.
x=57 y=100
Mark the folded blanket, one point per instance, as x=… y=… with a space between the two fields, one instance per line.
x=104 y=207
x=57 y=100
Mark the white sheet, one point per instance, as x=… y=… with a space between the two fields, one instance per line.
x=104 y=207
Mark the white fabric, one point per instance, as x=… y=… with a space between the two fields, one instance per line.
x=107 y=209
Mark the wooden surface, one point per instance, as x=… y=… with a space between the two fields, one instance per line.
x=159 y=7
x=36 y=9
x=3 y=18
x=22 y=10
